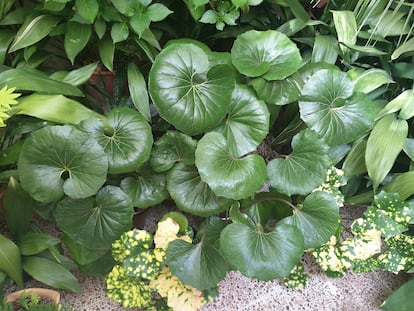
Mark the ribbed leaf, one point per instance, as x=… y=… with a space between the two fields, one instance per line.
x=371 y=79
x=325 y=49
x=346 y=28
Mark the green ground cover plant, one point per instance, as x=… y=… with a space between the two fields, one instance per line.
x=324 y=86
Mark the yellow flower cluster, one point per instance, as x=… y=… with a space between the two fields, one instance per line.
x=7 y=98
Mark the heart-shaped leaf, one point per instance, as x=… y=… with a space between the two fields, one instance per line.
x=226 y=174
x=247 y=122
x=126 y=139
x=304 y=169
x=317 y=219
x=191 y=194
x=172 y=147
x=200 y=266
x=269 y=54
x=146 y=188
x=96 y=222
x=327 y=107
x=77 y=166
x=187 y=91
x=261 y=255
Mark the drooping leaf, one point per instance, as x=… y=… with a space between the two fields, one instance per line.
x=77 y=36
x=191 y=194
x=6 y=37
x=77 y=166
x=200 y=266
x=51 y=273
x=327 y=107
x=354 y=163
x=126 y=138
x=138 y=91
x=247 y=122
x=10 y=260
x=106 y=48
x=304 y=169
x=383 y=146
x=262 y=255
x=187 y=91
x=170 y=148
x=96 y=222
x=269 y=54
x=407 y=46
x=77 y=76
x=371 y=79
x=317 y=219
x=403 y=103
x=325 y=49
x=35 y=242
x=227 y=174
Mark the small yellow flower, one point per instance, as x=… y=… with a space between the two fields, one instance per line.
x=7 y=98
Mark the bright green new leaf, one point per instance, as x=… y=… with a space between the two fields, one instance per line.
x=383 y=146
x=354 y=163
x=407 y=46
x=35 y=242
x=33 y=30
x=170 y=148
x=371 y=79
x=304 y=169
x=77 y=35
x=401 y=299
x=187 y=91
x=87 y=9
x=403 y=184
x=317 y=219
x=191 y=194
x=409 y=148
x=346 y=28
x=119 y=32
x=269 y=54
x=157 y=12
x=75 y=77
x=200 y=266
x=51 y=273
x=278 y=92
x=10 y=260
x=262 y=255
x=96 y=222
x=77 y=166
x=126 y=138
x=327 y=107
x=139 y=23
x=404 y=103
x=325 y=49
x=247 y=122
x=146 y=188
x=227 y=174
x=138 y=90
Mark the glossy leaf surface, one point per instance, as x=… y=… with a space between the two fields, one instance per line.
x=138 y=90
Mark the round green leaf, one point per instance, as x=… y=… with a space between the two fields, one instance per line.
x=96 y=222
x=269 y=54
x=317 y=219
x=172 y=147
x=304 y=169
x=225 y=173
x=200 y=266
x=247 y=122
x=327 y=107
x=264 y=256
x=58 y=160
x=126 y=139
x=187 y=91
x=146 y=188
x=191 y=194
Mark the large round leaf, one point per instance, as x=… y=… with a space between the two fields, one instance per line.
x=317 y=218
x=328 y=107
x=200 y=266
x=172 y=147
x=191 y=194
x=58 y=160
x=269 y=54
x=146 y=188
x=126 y=139
x=260 y=255
x=187 y=91
x=304 y=169
x=247 y=122
x=227 y=174
x=96 y=222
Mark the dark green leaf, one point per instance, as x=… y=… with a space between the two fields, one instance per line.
x=401 y=299
x=35 y=242
x=10 y=260
x=76 y=37
x=138 y=91
x=81 y=254
x=87 y=9
x=106 y=49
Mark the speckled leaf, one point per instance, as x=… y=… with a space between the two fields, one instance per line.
x=77 y=166
x=200 y=266
x=127 y=139
x=264 y=256
x=191 y=194
x=304 y=169
x=247 y=122
x=227 y=174
x=269 y=54
x=96 y=222
x=317 y=218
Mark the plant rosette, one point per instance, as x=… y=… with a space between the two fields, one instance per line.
x=141 y=277
x=31 y=298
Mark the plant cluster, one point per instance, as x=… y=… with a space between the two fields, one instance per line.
x=327 y=86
